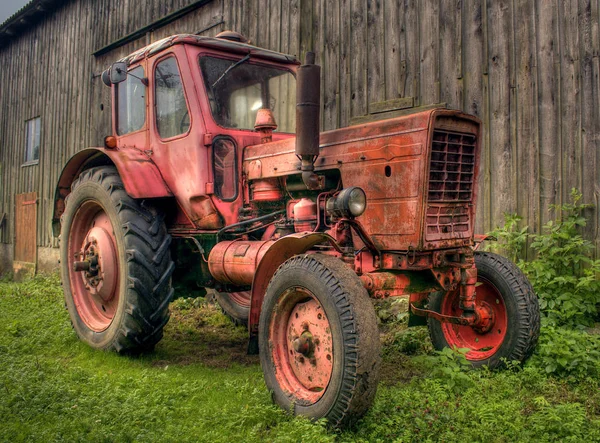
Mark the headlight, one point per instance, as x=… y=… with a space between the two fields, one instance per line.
x=350 y=203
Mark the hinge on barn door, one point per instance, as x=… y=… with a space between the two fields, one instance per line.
x=30 y=202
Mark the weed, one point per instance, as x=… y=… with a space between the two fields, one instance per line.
x=563 y=273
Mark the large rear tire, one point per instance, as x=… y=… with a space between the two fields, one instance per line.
x=504 y=291
x=118 y=298
x=235 y=305
x=318 y=340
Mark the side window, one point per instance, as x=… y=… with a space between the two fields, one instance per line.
x=225 y=171
x=172 y=115
x=131 y=100
x=32 y=140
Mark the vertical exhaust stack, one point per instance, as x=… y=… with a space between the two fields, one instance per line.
x=308 y=108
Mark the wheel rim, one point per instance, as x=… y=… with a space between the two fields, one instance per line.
x=301 y=345
x=485 y=338
x=93 y=266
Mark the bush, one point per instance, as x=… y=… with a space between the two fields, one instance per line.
x=563 y=273
x=569 y=354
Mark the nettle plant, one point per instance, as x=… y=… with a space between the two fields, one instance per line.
x=563 y=274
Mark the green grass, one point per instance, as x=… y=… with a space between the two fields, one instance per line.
x=199 y=385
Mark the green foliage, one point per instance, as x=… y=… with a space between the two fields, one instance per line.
x=510 y=238
x=199 y=385
x=563 y=274
x=451 y=367
x=570 y=354
x=412 y=341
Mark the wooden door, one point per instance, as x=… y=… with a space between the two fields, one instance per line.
x=25 y=233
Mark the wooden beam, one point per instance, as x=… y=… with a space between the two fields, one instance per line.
x=151 y=27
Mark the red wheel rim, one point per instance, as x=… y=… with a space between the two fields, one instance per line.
x=483 y=340
x=241 y=298
x=95 y=291
x=301 y=345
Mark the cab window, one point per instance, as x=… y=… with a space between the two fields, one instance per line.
x=131 y=102
x=172 y=115
x=225 y=171
x=237 y=89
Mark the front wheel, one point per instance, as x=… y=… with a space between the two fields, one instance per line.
x=505 y=293
x=318 y=340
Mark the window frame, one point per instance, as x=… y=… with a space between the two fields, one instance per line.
x=116 y=101
x=252 y=61
x=185 y=96
x=34 y=161
x=235 y=164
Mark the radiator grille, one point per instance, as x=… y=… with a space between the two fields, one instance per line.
x=452 y=167
x=447 y=222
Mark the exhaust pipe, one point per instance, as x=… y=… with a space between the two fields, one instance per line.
x=308 y=108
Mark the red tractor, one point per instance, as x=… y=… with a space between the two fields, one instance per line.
x=216 y=162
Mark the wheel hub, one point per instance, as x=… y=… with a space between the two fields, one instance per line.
x=98 y=270
x=485 y=317
x=310 y=345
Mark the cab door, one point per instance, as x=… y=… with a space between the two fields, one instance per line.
x=177 y=137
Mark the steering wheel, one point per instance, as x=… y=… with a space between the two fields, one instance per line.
x=184 y=125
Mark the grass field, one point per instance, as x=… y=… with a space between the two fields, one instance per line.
x=199 y=385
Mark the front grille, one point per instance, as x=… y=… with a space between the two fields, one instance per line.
x=447 y=222
x=452 y=168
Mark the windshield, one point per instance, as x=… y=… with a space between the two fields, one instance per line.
x=237 y=89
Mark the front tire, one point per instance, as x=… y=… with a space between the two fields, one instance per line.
x=118 y=298
x=318 y=340
x=505 y=291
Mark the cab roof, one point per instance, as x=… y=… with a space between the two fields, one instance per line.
x=222 y=44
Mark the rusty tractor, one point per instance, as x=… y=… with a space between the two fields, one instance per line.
x=216 y=174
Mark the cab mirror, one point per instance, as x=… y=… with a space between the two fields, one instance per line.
x=117 y=73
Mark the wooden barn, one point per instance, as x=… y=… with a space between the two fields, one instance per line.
x=528 y=68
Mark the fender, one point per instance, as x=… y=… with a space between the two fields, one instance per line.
x=140 y=175
x=283 y=249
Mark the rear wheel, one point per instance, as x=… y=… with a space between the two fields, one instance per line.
x=318 y=340
x=235 y=305
x=115 y=264
x=504 y=294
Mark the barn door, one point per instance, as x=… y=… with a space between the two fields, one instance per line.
x=25 y=234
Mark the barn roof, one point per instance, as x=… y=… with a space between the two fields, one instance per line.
x=29 y=14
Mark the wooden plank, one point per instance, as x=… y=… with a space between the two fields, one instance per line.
x=429 y=49
x=569 y=98
x=391 y=105
x=501 y=156
x=393 y=114
x=346 y=55
x=473 y=101
x=391 y=50
x=330 y=74
x=527 y=158
x=450 y=58
x=548 y=102
x=588 y=104
x=358 y=62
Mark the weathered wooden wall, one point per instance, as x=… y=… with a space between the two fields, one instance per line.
x=528 y=68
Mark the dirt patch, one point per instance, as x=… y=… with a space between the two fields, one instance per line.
x=199 y=333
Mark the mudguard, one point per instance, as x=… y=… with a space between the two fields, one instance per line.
x=140 y=175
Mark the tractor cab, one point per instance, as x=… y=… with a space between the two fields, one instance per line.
x=190 y=104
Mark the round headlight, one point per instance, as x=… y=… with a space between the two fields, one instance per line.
x=350 y=202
